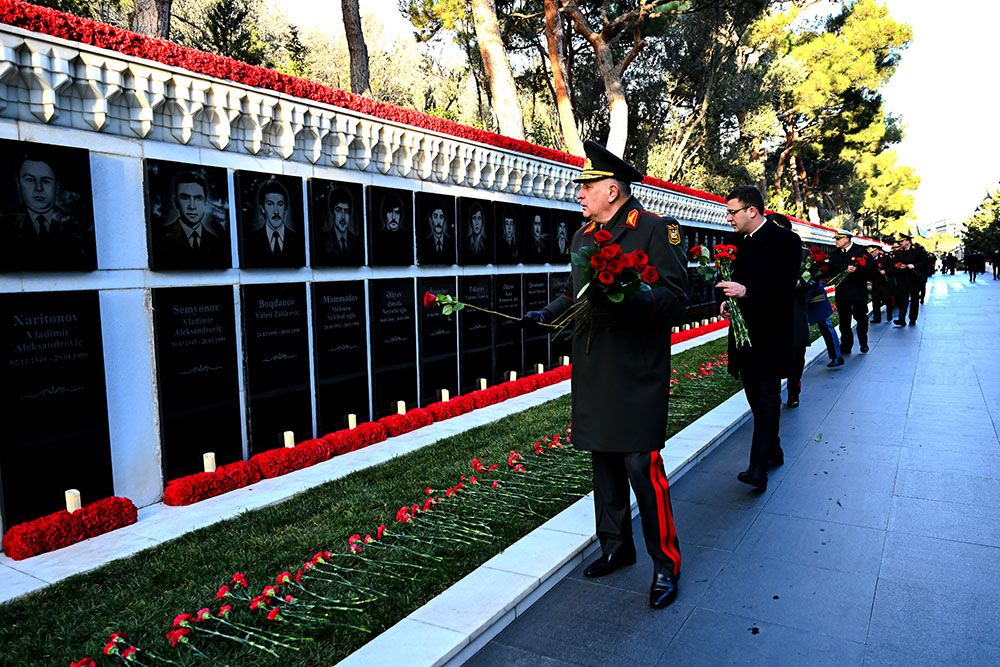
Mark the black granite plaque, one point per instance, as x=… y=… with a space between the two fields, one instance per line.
x=53 y=403
x=276 y=355
x=271 y=229
x=197 y=372
x=560 y=344
x=539 y=235
x=394 y=351
x=438 y=349
x=475 y=232
x=336 y=223
x=341 y=342
x=564 y=224
x=390 y=226
x=435 y=229
x=507 y=333
x=535 y=287
x=187 y=213
x=46 y=208
x=475 y=331
x=509 y=234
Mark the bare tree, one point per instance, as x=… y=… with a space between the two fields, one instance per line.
x=151 y=17
x=356 y=47
x=498 y=73
x=556 y=39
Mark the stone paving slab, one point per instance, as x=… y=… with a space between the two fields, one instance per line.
x=875 y=544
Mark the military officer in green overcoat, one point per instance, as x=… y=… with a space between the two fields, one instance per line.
x=621 y=372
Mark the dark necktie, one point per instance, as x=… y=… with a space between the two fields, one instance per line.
x=343 y=245
x=43 y=227
x=195 y=241
x=275 y=243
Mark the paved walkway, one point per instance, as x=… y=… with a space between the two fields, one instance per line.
x=878 y=542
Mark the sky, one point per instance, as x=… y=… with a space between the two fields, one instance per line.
x=945 y=90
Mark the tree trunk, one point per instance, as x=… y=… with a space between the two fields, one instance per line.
x=152 y=18
x=556 y=38
x=796 y=186
x=356 y=47
x=614 y=90
x=498 y=73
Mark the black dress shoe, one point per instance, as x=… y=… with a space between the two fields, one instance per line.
x=776 y=461
x=609 y=563
x=664 y=589
x=900 y=323
x=864 y=349
x=913 y=324
x=793 y=402
x=839 y=361
x=755 y=477
x=844 y=352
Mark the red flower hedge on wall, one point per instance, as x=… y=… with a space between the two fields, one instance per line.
x=283 y=460
x=61 y=528
x=202 y=485
x=451 y=408
x=682 y=336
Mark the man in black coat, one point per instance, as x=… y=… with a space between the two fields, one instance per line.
x=621 y=371
x=881 y=289
x=765 y=272
x=910 y=268
x=852 y=292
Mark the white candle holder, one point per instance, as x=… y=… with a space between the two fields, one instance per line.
x=73 y=502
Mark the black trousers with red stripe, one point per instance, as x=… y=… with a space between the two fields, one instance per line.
x=613 y=472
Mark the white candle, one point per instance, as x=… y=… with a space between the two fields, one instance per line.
x=704 y=323
x=539 y=368
x=685 y=327
x=352 y=421
x=482 y=383
x=675 y=330
x=445 y=396
x=73 y=500
x=511 y=376
x=565 y=361
x=208 y=460
x=401 y=407
x=289 y=438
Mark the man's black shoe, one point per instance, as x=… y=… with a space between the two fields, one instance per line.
x=776 y=461
x=664 y=589
x=844 y=353
x=755 y=477
x=793 y=402
x=900 y=323
x=611 y=562
x=913 y=324
x=864 y=349
x=839 y=361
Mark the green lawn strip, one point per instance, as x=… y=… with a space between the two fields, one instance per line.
x=141 y=594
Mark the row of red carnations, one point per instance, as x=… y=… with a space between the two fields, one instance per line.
x=63 y=528
x=694 y=332
x=276 y=462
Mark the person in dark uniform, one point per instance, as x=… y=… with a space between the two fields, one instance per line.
x=910 y=268
x=852 y=292
x=801 y=321
x=765 y=272
x=621 y=373
x=881 y=289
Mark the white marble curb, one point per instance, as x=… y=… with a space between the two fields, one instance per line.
x=456 y=624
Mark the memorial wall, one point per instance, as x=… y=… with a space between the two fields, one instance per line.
x=192 y=264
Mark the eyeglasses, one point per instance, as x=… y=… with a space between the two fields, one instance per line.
x=730 y=212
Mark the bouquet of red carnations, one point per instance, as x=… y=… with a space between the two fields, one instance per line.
x=723 y=270
x=815 y=266
x=608 y=273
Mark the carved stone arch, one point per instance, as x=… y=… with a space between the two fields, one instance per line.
x=441 y=165
x=45 y=75
x=366 y=135
x=337 y=143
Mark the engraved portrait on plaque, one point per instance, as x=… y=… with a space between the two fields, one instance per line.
x=475 y=232
x=47 y=217
x=390 y=226
x=270 y=221
x=435 y=229
x=336 y=217
x=187 y=215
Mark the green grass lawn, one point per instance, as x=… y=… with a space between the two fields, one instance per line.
x=140 y=595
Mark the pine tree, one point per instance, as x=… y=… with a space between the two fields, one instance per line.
x=230 y=31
